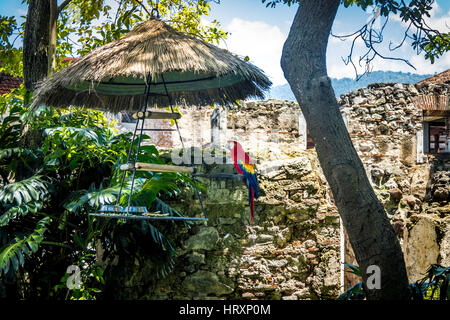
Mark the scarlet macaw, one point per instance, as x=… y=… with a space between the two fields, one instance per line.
x=244 y=165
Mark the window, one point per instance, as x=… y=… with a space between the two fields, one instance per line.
x=437 y=135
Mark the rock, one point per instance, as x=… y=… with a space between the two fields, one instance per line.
x=205 y=239
x=404 y=185
x=398 y=228
x=391 y=184
x=441 y=194
x=277 y=263
x=445 y=244
x=359 y=100
x=396 y=194
x=248 y=295
x=399 y=86
x=196 y=257
x=410 y=200
x=366 y=146
x=206 y=283
x=309 y=243
x=419 y=181
x=377 y=173
x=422 y=249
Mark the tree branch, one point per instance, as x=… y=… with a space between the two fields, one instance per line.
x=62 y=6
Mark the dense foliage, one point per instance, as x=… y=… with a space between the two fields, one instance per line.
x=48 y=188
x=433 y=286
x=83 y=25
x=58 y=165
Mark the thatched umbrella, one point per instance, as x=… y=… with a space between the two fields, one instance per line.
x=113 y=77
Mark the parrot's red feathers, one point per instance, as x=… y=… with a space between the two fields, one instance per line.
x=244 y=165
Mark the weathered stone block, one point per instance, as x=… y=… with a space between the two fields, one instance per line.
x=205 y=283
x=205 y=239
x=422 y=248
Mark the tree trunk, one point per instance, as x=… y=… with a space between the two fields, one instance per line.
x=53 y=33
x=370 y=232
x=36 y=43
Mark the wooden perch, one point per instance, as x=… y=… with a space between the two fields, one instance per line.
x=156 y=115
x=140 y=166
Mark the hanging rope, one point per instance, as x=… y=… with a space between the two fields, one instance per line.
x=133 y=165
x=194 y=179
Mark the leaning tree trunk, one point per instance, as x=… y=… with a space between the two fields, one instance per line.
x=370 y=233
x=36 y=43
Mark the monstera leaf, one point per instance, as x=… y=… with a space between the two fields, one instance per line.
x=25 y=191
x=13 y=254
x=19 y=211
x=16 y=152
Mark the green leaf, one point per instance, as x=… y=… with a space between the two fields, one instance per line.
x=19 y=193
x=19 y=211
x=355 y=269
x=13 y=254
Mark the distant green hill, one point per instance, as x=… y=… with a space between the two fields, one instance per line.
x=344 y=85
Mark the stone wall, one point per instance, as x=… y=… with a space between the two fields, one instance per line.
x=385 y=123
x=295 y=249
x=292 y=251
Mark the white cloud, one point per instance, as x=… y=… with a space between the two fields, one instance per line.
x=22 y=12
x=439 y=19
x=261 y=42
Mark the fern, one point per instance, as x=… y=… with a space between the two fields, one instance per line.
x=13 y=254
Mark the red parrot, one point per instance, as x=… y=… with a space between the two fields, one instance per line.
x=245 y=166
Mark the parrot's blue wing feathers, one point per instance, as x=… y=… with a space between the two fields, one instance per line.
x=250 y=175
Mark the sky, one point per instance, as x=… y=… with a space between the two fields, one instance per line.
x=259 y=33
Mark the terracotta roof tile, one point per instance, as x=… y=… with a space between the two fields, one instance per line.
x=8 y=82
x=442 y=77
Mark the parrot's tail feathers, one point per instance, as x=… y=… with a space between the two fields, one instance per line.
x=251 y=199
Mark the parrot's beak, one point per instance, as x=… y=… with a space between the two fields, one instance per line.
x=229 y=144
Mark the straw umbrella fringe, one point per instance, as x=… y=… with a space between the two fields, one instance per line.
x=112 y=77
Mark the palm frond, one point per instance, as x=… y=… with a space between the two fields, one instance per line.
x=354 y=269
x=160 y=206
x=354 y=293
x=92 y=198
